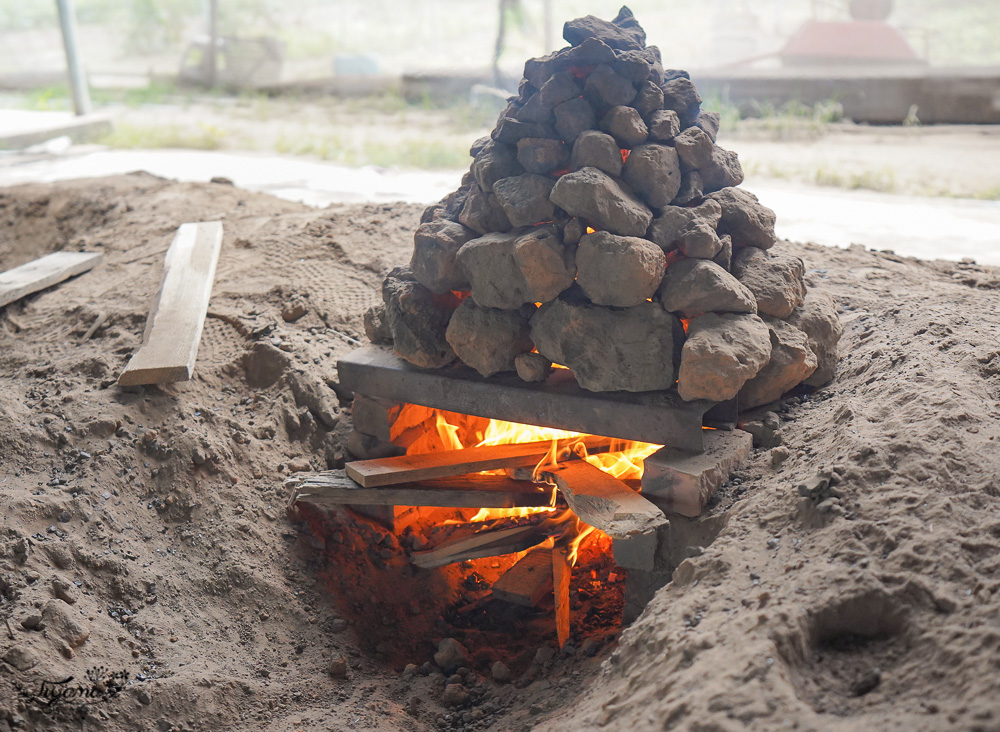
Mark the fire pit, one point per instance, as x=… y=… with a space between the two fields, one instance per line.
x=561 y=362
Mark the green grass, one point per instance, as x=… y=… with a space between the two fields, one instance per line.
x=131 y=136
x=882 y=180
x=762 y=120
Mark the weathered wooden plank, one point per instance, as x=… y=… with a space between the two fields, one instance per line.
x=562 y=571
x=425 y=466
x=44 y=272
x=333 y=487
x=173 y=329
x=481 y=544
x=606 y=503
x=659 y=417
x=528 y=581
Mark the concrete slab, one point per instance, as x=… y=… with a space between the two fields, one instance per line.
x=20 y=128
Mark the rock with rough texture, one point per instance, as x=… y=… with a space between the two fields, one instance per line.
x=694 y=147
x=680 y=95
x=749 y=223
x=664 y=125
x=534 y=111
x=723 y=172
x=501 y=674
x=594 y=149
x=722 y=352
x=559 y=88
x=597 y=198
x=791 y=362
x=65 y=623
x=451 y=655
x=648 y=99
x=21 y=657
x=692 y=188
x=482 y=212
x=573 y=118
x=709 y=122
x=525 y=199
x=542 y=156
x=654 y=173
x=776 y=280
x=625 y=125
x=509 y=130
x=693 y=287
x=690 y=229
x=489 y=339
x=454 y=695
x=417 y=322
x=606 y=88
x=725 y=256
x=435 y=245
x=634 y=65
x=525 y=266
x=572 y=232
x=620 y=271
x=377 y=326
x=264 y=364
x=817 y=318
x=338 y=668
x=623 y=33
x=532 y=367
x=495 y=161
x=609 y=349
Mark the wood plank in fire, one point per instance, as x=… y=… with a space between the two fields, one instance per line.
x=606 y=503
x=528 y=581
x=333 y=487
x=409 y=468
x=562 y=572
x=479 y=544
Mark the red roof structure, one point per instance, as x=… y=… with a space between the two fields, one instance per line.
x=849 y=42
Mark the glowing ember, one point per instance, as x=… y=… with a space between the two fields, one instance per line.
x=625 y=154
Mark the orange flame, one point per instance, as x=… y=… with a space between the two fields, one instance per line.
x=625 y=154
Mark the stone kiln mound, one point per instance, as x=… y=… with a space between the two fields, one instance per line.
x=600 y=228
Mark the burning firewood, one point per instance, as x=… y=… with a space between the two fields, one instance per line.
x=408 y=468
x=528 y=581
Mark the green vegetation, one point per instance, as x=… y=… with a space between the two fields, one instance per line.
x=763 y=121
x=132 y=136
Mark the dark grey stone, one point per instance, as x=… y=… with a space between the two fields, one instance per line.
x=648 y=99
x=693 y=287
x=681 y=227
x=724 y=171
x=482 y=213
x=525 y=199
x=623 y=33
x=435 y=245
x=510 y=130
x=775 y=279
x=573 y=118
x=542 y=156
x=663 y=125
x=625 y=125
x=654 y=173
x=488 y=339
x=594 y=149
x=494 y=162
x=534 y=111
x=595 y=197
x=559 y=88
x=749 y=223
x=620 y=271
x=709 y=122
x=680 y=95
x=694 y=147
x=606 y=88
x=417 y=321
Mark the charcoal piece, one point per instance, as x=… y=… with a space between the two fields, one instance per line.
x=620 y=271
x=671 y=74
x=625 y=125
x=594 y=149
x=538 y=70
x=525 y=90
x=693 y=287
x=664 y=125
x=435 y=245
x=542 y=156
x=377 y=326
x=559 y=88
x=573 y=118
x=723 y=172
x=494 y=162
x=694 y=147
x=416 y=320
x=488 y=339
x=605 y=88
x=654 y=173
x=534 y=111
x=510 y=130
x=680 y=95
x=633 y=65
x=677 y=226
x=451 y=205
x=817 y=318
x=573 y=231
x=648 y=99
x=532 y=367
x=692 y=188
x=598 y=199
x=791 y=362
x=709 y=122
x=722 y=352
x=610 y=349
x=525 y=266
x=745 y=219
x=483 y=213
x=478 y=145
x=623 y=33
x=525 y=199
x=775 y=279
x=725 y=256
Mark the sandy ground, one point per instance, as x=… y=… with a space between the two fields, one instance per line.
x=162 y=513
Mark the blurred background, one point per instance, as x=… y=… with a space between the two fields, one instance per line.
x=337 y=100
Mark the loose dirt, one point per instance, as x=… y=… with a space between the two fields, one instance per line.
x=871 y=603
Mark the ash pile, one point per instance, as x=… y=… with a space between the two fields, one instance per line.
x=601 y=228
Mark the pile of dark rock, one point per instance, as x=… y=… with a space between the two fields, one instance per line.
x=600 y=228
